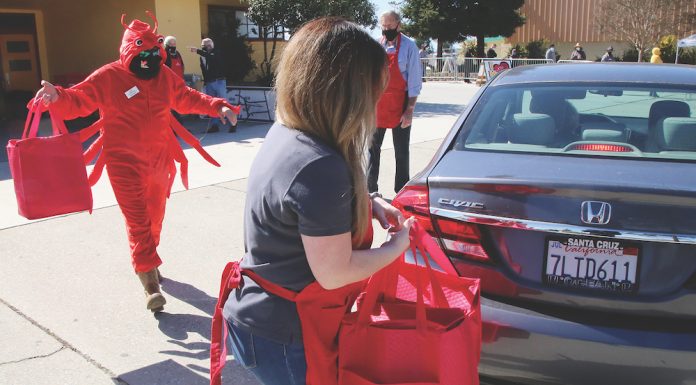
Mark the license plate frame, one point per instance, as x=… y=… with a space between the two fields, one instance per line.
x=569 y=265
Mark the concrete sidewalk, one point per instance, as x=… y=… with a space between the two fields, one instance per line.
x=71 y=309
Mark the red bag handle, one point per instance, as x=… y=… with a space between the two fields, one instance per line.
x=417 y=236
x=31 y=125
x=376 y=286
x=426 y=241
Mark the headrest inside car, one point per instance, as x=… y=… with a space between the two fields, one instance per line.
x=568 y=93
x=604 y=135
x=533 y=129
x=677 y=134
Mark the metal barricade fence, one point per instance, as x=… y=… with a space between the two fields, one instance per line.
x=451 y=68
x=575 y=61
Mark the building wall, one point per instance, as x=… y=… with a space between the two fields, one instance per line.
x=80 y=35
x=558 y=21
x=180 y=18
x=563 y=21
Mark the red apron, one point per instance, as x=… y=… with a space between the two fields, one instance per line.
x=320 y=311
x=390 y=106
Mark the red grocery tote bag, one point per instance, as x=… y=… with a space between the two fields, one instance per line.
x=414 y=325
x=49 y=172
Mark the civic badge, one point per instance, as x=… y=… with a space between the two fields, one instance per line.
x=595 y=212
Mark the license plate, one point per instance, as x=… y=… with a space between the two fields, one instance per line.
x=592 y=264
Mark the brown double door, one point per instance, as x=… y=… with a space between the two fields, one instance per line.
x=20 y=69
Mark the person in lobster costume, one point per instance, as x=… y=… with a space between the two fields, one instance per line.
x=137 y=142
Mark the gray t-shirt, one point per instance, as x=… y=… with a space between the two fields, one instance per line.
x=297 y=185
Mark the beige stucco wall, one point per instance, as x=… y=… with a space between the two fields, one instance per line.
x=79 y=36
x=180 y=18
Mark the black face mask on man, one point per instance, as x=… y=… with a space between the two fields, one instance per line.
x=390 y=34
x=147 y=64
x=171 y=50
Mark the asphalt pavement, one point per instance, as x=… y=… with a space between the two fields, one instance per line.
x=72 y=310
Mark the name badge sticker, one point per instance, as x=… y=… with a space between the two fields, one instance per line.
x=132 y=92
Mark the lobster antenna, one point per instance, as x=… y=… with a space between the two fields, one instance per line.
x=154 y=30
x=123 y=23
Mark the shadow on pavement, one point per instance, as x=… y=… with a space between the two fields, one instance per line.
x=172 y=373
x=165 y=372
x=178 y=327
x=427 y=110
x=190 y=294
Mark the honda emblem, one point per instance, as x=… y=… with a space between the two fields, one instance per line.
x=595 y=212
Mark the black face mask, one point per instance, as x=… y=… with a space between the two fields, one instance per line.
x=171 y=50
x=147 y=64
x=390 y=34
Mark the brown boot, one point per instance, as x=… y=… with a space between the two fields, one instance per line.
x=154 y=299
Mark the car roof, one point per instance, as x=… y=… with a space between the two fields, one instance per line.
x=645 y=73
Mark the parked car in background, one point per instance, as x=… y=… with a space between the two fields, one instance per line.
x=570 y=191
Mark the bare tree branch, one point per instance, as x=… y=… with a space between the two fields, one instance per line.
x=643 y=22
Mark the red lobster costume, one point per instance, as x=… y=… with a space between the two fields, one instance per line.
x=137 y=141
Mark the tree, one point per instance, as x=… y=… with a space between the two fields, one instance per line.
x=536 y=49
x=449 y=21
x=643 y=22
x=276 y=17
x=668 y=51
x=441 y=20
x=493 y=18
x=235 y=49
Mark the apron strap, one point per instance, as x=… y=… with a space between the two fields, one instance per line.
x=271 y=287
x=231 y=278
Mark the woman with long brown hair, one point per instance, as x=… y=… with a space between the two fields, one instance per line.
x=307 y=202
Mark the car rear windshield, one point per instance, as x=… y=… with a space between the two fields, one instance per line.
x=601 y=119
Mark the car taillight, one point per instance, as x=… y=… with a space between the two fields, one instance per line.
x=458 y=238
x=462 y=239
x=413 y=201
x=602 y=147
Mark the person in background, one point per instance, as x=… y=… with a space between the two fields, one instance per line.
x=551 y=53
x=396 y=106
x=578 y=53
x=175 y=62
x=307 y=206
x=491 y=52
x=174 y=59
x=469 y=63
x=137 y=144
x=609 y=56
x=423 y=55
x=214 y=79
x=656 y=59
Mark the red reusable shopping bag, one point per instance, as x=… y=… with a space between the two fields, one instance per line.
x=49 y=172
x=415 y=325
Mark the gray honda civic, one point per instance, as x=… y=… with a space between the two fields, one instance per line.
x=570 y=191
